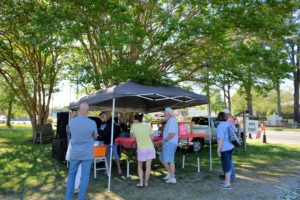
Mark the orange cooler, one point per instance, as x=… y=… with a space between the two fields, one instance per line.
x=100 y=151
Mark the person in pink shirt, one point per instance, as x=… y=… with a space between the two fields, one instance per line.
x=231 y=120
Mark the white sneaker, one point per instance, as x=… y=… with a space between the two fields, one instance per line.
x=167 y=176
x=171 y=180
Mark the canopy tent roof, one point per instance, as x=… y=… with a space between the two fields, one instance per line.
x=133 y=97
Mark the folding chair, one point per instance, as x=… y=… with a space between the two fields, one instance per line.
x=100 y=156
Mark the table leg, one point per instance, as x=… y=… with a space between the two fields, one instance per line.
x=95 y=175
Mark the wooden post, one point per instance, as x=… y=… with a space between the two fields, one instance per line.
x=244 y=129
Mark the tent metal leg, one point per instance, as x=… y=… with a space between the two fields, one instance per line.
x=210 y=137
x=111 y=142
x=127 y=169
x=198 y=161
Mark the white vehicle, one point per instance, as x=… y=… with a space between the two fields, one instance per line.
x=201 y=127
x=3 y=119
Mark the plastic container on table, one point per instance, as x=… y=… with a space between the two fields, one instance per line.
x=100 y=151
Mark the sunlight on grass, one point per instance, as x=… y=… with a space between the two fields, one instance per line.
x=27 y=170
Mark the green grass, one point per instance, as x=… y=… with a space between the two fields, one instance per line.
x=26 y=166
x=29 y=172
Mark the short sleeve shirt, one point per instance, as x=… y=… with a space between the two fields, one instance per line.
x=82 y=143
x=142 y=134
x=171 y=127
x=222 y=132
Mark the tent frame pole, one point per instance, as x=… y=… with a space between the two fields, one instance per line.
x=210 y=137
x=111 y=142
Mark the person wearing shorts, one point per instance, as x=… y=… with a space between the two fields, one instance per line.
x=143 y=134
x=170 y=142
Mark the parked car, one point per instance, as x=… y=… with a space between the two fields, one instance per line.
x=202 y=126
x=3 y=119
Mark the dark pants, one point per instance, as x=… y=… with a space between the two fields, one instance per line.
x=226 y=160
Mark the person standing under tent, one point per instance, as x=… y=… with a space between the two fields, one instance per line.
x=231 y=120
x=78 y=174
x=84 y=131
x=170 y=143
x=225 y=148
x=145 y=148
x=105 y=135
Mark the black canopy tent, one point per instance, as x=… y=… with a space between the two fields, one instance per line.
x=133 y=97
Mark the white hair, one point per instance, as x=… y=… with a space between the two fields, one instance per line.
x=169 y=111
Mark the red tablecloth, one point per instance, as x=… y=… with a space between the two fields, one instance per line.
x=131 y=142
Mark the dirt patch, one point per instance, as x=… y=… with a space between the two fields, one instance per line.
x=274 y=182
x=278 y=181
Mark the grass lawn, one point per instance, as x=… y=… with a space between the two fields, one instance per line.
x=265 y=171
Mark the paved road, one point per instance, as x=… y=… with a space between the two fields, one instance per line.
x=282 y=137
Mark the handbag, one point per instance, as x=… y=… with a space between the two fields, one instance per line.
x=233 y=138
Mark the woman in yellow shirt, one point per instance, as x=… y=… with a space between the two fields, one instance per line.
x=143 y=134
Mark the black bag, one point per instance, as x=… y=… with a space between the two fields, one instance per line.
x=233 y=138
x=59 y=149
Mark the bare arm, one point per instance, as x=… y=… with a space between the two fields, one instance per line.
x=220 y=144
x=152 y=137
x=171 y=135
x=133 y=135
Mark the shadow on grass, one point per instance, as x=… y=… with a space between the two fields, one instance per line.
x=28 y=171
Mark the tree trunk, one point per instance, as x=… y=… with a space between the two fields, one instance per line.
x=208 y=95
x=296 y=85
x=229 y=98
x=249 y=100
x=225 y=96
x=296 y=96
x=9 y=110
x=278 y=100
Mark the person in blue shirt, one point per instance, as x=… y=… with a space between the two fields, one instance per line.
x=225 y=148
x=170 y=142
x=84 y=132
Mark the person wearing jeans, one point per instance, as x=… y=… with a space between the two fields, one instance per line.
x=105 y=135
x=85 y=174
x=231 y=120
x=84 y=131
x=225 y=148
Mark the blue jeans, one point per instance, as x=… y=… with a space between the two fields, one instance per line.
x=232 y=168
x=84 y=181
x=114 y=152
x=226 y=160
x=232 y=176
